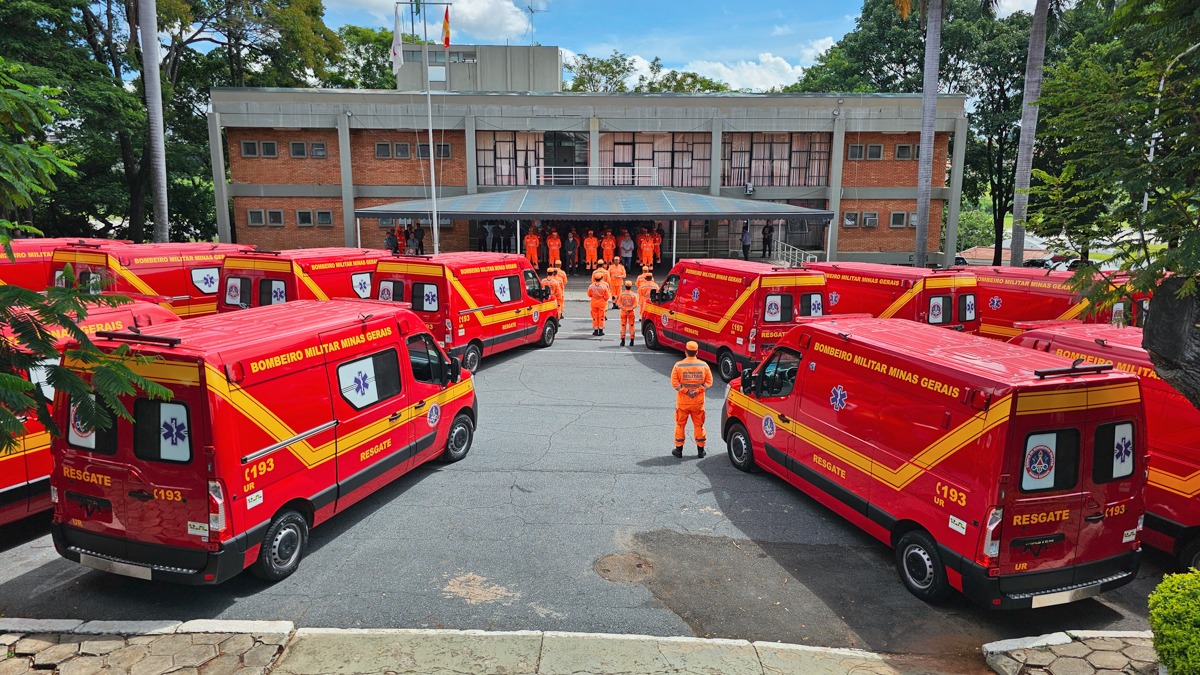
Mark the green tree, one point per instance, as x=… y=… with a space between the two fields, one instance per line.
x=365 y=61
x=28 y=167
x=974 y=229
x=681 y=82
x=607 y=75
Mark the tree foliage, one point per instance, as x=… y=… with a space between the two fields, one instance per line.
x=614 y=74
x=365 y=61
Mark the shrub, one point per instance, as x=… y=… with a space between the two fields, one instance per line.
x=1175 y=621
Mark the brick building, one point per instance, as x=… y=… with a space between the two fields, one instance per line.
x=301 y=161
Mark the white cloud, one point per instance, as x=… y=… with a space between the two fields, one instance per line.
x=488 y=21
x=779 y=31
x=810 y=51
x=768 y=71
x=1006 y=7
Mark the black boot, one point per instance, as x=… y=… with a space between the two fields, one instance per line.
x=601 y=332
x=631 y=341
x=595 y=332
x=700 y=451
x=622 y=342
x=678 y=451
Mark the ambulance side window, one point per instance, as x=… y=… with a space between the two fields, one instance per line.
x=237 y=291
x=812 y=304
x=369 y=380
x=1113 y=452
x=37 y=375
x=392 y=291
x=940 y=307
x=424 y=297
x=98 y=441
x=533 y=285
x=162 y=431
x=777 y=308
x=670 y=286
x=507 y=289
x=1050 y=461
x=91 y=282
x=779 y=373
x=272 y=292
x=425 y=359
x=966 y=307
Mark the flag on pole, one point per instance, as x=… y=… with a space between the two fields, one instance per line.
x=446 y=30
x=397 y=46
x=416 y=7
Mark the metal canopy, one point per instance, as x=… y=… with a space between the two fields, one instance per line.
x=595 y=203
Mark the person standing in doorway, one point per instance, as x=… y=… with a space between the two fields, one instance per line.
x=419 y=236
x=768 y=238
x=571 y=249
x=591 y=246
x=531 y=247
x=553 y=247
x=690 y=377
x=746 y=241
x=626 y=249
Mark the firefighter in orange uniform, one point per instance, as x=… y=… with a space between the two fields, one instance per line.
x=626 y=302
x=616 y=278
x=690 y=378
x=554 y=283
x=646 y=249
x=553 y=247
x=531 y=247
x=645 y=288
x=656 y=239
x=607 y=245
x=590 y=246
x=598 y=299
x=602 y=270
x=561 y=273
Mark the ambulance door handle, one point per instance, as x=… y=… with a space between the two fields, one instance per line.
x=1095 y=518
x=394 y=416
x=420 y=405
x=141 y=494
x=785 y=419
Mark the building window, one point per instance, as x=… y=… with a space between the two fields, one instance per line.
x=912 y=219
x=254 y=217
x=401 y=151
x=850 y=219
x=798 y=159
x=317 y=150
x=298 y=149
x=269 y=148
x=899 y=219
x=870 y=218
x=443 y=151
x=875 y=151
x=855 y=151
x=304 y=218
x=275 y=218
x=904 y=152
x=249 y=148
x=509 y=157
x=383 y=150
x=325 y=218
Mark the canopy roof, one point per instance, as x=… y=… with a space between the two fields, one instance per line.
x=595 y=203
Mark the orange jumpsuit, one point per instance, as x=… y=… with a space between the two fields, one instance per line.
x=531 y=248
x=646 y=249
x=607 y=245
x=553 y=248
x=690 y=375
x=590 y=245
x=644 y=296
x=626 y=301
x=606 y=280
x=562 y=277
x=656 y=238
x=616 y=278
x=556 y=291
x=598 y=299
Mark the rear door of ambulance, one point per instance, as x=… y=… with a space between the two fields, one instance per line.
x=774 y=310
x=143 y=482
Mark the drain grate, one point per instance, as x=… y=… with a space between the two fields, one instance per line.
x=623 y=567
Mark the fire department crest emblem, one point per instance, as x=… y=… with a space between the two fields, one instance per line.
x=1039 y=463
x=768 y=426
x=434 y=415
x=536 y=314
x=77 y=425
x=664 y=320
x=385 y=293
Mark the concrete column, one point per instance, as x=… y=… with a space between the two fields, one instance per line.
x=714 y=171
x=216 y=149
x=472 y=158
x=835 y=182
x=595 y=173
x=348 y=225
x=956 y=179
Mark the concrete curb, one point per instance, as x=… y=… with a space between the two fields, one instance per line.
x=17 y=625
x=1047 y=640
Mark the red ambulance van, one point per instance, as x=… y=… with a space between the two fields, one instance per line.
x=1172 y=429
x=734 y=309
x=1011 y=476
x=257 y=278
x=181 y=277
x=475 y=304
x=1008 y=295
x=25 y=469
x=30 y=266
x=940 y=297
x=281 y=417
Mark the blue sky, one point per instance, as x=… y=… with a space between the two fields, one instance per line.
x=748 y=45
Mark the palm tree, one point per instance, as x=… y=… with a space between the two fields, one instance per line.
x=1029 y=117
x=931 y=11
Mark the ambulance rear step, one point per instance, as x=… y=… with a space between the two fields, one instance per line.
x=117 y=565
x=1065 y=594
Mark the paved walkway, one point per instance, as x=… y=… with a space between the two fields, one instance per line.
x=70 y=647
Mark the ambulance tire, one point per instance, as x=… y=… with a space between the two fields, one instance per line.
x=650 y=335
x=921 y=567
x=741 y=454
x=1189 y=554
x=471 y=357
x=282 y=547
x=548 y=332
x=458 y=441
x=726 y=365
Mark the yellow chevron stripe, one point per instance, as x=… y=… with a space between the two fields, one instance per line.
x=715 y=326
x=117 y=269
x=1075 y=310
x=1035 y=403
x=950 y=282
x=1184 y=486
x=409 y=268
x=903 y=300
x=307 y=281
x=798 y=280
x=236 y=264
x=1004 y=332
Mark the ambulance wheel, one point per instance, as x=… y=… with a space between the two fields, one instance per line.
x=726 y=365
x=458 y=441
x=471 y=357
x=282 y=547
x=548 y=333
x=650 y=335
x=741 y=455
x=921 y=567
x=1189 y=555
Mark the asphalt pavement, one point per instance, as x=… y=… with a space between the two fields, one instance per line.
x=569 y=514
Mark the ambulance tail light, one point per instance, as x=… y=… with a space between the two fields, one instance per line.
x=449 y=332
x=752 y=347
x=990 y=551
x=216 y=507
x=54 y=500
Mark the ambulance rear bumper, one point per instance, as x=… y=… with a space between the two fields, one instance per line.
x=1053 y=587
x=150 y=561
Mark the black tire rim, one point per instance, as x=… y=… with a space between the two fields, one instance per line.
x=548 y=334
x=739 y=448
x=471 y=358
x=650 y=335
x=728 y=367
x=918 y=566
x=285 y=547
x=460 y=438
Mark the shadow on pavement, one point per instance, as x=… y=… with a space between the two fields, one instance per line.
x=24 y=531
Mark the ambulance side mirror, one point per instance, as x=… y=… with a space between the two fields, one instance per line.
x=454 y=370
x=748 y=383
